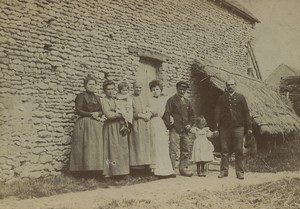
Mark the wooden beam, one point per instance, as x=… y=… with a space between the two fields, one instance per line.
x=254 y=61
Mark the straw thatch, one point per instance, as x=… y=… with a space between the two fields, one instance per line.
x=270 y=113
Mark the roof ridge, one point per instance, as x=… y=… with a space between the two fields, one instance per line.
x=293 y=69
x=241 y=9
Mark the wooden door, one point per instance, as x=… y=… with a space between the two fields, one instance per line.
x=147 y=72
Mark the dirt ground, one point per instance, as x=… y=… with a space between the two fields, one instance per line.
x=160 y=191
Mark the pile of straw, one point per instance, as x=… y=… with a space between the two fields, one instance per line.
x=280 y=194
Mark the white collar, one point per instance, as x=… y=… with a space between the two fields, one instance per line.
x=231 y=94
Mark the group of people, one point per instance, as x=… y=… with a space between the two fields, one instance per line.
x=122 y=132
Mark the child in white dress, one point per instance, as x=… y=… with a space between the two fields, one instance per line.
x=124 y=106
x=202 y=147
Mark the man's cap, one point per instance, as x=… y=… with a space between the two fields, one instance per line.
x=182 y=84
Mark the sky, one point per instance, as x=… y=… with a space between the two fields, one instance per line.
x=277 y=37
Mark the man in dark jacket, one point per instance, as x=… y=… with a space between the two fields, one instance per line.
x=179 y=118
x=232 y=118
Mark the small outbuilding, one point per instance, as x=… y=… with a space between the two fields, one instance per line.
x=272 y=117
x=281 y=71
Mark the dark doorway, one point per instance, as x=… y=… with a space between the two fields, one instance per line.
x=204 y=98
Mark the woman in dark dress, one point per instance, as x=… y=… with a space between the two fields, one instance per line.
x=87 y=141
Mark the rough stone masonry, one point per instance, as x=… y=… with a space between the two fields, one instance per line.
x=47 y=47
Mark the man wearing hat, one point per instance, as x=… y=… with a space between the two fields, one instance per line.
x=179 y=118
x=232 y=120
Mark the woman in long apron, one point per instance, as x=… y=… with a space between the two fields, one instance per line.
x=116 y=154
x=87 y=141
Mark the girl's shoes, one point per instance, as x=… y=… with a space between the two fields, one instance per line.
x=201 y=174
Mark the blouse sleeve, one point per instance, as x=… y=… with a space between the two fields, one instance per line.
x=101 y=108
x=134 y=112
x=79 y=103
x=129 y=110
x=209 y=134
x=109 y=114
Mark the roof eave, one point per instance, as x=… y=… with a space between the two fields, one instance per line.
x=270 y=113
x=249 y=17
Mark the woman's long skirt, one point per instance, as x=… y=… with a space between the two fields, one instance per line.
x=87 y=145
x=116 y=154
x=159 y=133
x=141 y=145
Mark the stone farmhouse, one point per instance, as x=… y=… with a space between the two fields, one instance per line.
x=47 y=47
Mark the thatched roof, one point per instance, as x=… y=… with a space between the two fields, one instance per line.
x=270 y=113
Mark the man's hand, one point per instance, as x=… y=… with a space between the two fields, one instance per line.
x=216 y=133
x=147 y=116
x=193 y=130
x=188 y=127
x=95 y=115
x=171 y=120
x=103 y=118
x=141 y=116
x=249 y=132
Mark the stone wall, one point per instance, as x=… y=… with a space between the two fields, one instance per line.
x=47 y=47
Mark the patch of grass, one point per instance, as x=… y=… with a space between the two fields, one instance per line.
x=130 y=203
x=278 y=160
x=280 y=194
x=44 y=187
x=128 y=180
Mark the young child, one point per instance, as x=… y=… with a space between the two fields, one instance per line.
x=124 y=107
x=202 y=147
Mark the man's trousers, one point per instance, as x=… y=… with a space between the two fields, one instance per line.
x=181 y=140
x=232 y=141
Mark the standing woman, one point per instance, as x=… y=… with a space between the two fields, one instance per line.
x=141 y=146
x=87 y=141
x=116 y=155
x=159 y=132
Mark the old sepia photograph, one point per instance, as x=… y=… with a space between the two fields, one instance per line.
x=149 y=104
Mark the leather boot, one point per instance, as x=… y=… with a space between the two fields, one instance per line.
x=240 y=176
x=183 y=168
x=185 y=172
x=222 y=175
